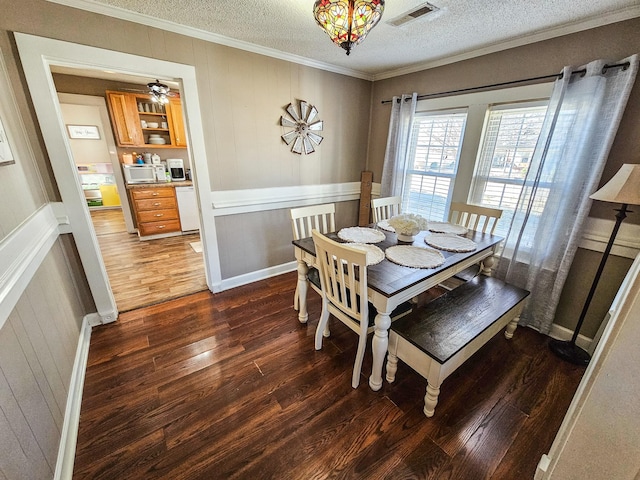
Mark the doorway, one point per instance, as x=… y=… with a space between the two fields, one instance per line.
x=140 y=273
x=38 y=54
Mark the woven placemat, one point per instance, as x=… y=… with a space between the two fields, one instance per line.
x=361 y=235
x=384 y=225
x=374 y=254
x=450 y=242
x=446 y=227
x=416 y=257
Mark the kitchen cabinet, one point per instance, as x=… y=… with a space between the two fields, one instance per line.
x=156 y=210
x=139 y=122
x=124 y=117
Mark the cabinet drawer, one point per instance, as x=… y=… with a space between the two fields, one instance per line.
x=145 y=193
x=157 y=215
x=160 y=203
x=154 y=228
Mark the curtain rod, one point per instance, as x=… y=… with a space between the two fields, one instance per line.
x=624 y=66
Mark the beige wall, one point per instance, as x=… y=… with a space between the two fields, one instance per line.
x=613 y=42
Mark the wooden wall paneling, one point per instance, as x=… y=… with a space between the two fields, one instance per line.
x=26 y=407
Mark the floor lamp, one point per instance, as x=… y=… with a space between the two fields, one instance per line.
x=623 y=188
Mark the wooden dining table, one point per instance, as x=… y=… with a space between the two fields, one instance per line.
x=390 y=284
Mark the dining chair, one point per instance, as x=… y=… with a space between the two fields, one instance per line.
x=343 y=279
x=385 y=208
x=303 y=221
x=475 y=217
x=343 y=283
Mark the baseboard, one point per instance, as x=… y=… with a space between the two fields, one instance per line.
x=69 y=434
x=258 y=275
x=562 y=333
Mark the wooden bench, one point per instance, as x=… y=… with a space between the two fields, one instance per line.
x=437 y=338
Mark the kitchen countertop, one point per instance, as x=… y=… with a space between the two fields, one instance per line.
x=185 y=183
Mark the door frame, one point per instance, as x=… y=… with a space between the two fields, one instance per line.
x=38 y=54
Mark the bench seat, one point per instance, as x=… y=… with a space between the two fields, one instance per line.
x=437 y=338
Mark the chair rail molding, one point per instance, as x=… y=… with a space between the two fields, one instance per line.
x=21 y=254
x=234 y=202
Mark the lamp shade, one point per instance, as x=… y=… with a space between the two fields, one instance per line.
x=347 y=22
x=624 y=187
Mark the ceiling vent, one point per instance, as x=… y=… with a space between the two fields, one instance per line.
x=413 y=14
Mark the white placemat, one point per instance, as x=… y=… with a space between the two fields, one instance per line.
x=450 y=242
x=374 y=254
x=384 y=225
x=361 y=235
x=446 y=227
x=416 y=257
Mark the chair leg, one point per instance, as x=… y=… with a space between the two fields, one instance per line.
x=296 y=302
x=322 y=324
x=357 y=365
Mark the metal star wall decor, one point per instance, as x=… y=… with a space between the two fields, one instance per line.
x=305 y=125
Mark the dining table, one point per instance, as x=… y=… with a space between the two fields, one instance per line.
x=389 y=284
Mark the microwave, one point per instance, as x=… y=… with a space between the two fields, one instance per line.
x=144 y=173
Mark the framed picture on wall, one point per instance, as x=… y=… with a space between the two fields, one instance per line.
x=86 y=132
x=6 y=156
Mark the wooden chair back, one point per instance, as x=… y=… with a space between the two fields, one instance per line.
x=475 y=217
x=385 y=208
x=318 y=217
x=343 y=278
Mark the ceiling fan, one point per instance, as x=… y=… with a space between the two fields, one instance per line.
x=159 y=92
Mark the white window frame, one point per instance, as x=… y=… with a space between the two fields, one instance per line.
x=477 y=105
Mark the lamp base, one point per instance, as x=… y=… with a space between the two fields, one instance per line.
x=570 y=352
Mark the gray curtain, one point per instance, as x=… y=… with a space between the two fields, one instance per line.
x=400 y=125
x=581 y=122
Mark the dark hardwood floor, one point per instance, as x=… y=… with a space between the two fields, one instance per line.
x=228 y=385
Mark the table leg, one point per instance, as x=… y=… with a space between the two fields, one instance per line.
x=303 y=286
x=379 y=345
x=486 y=265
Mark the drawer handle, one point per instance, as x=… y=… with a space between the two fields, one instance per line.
x=155 y=194
x=159 y=215
x=156 y=204
x=160 y=226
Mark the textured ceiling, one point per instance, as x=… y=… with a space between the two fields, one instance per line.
x=286 y=28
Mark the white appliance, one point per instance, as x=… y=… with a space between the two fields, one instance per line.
x=175 y=167
x=188 y=208
x=144 y=173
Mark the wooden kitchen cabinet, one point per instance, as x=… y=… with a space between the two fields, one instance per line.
x=176 y=123
x=124 y=118
x=156 y=210
x=132 y=114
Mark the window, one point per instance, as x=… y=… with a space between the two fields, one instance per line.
x=473 y=148
x=433 y=163
x=510 y=136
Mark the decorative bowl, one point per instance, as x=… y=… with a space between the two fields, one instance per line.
x=153 y=124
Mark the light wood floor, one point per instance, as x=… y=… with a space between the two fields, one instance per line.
x=229 y=386
x=145 y=273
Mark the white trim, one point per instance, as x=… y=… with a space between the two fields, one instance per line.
x=258 y=275
x=562 y=333
x=69 y=434
x=21 y=253
x=627 y=13
x=234 y=202
x=598 y=231
x=169 y=26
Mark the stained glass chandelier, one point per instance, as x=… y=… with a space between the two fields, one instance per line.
x=347 y=22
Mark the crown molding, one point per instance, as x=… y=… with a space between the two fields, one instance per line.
x=146 y=20
x=539 y=36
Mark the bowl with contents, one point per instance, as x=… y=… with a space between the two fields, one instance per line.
x=153 y=124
